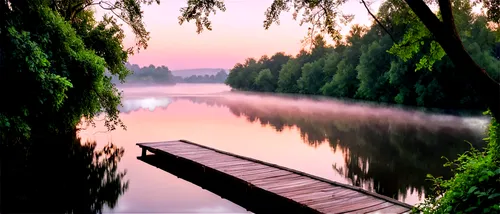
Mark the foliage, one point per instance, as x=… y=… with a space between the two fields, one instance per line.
x=163 y=75
x=475 y=186
x=59 y=53
x=312 y=77
x=265 y=80
x=126 y=10
x=219 y=77
x=199 y=10
x=149 y=75
x=364 y=68
x=287 y=78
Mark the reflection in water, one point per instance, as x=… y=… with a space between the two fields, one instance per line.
x=130 y=105
x=388 y=151
x=61 y=176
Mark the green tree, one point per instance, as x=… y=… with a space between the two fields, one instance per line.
x=60 y=53
x=288 y=76
x=265 y=81
x=344 y=82
x=373 y=68
x=312 y=78
x=326 y=16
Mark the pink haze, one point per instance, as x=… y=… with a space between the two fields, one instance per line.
x=237 y=34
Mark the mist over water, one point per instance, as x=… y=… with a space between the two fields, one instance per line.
x=317 y=108
x=388 y=150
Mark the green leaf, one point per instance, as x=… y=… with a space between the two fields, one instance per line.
x=494 y=195
x=470 y=209
x=472 y=189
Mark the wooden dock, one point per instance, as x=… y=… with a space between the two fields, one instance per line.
x=278 y=189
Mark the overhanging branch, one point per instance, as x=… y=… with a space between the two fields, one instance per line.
x=378 y=22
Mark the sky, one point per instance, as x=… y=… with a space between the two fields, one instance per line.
x=237 y=34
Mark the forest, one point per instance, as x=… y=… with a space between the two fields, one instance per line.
x=162 y=75
x=57 y=61
x=365 y=65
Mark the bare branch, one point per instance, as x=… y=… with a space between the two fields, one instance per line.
x=378 y=22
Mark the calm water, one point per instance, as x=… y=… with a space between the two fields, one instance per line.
x=385 y=150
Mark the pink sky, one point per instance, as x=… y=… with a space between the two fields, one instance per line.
x=237 y=34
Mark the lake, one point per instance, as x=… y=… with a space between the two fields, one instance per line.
x=381 y=149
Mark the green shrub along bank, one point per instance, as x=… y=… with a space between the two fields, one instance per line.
x=361 y=67
x=475 y=187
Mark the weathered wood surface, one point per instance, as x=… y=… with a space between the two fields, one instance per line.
x=318 y=194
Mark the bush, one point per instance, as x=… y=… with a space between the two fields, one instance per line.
x=475 y=186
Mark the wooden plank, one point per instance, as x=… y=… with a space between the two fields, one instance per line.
x=216 y=159
x=371 y=208
x=323 y=191
x=239 y=169
x=314 y=201
x=325 y=204
x=392 y=209
x=243 y=167
x=240 y=166
x=297 y=182
x=344 y=193
x=352 y=204
x=167 y=149
x=254 y=177
x=183 y=150
x=178 y=147
x=355 y=205
x=192 y=156
x=153 y=144
x=194 y=152
x=285 y=181
x=268 y=182
x=229 y=163
x=175 y=145
x=299 y=192
x=310 y=192
x=256 y=172
x=267 y=176
x=318 y=187
x=337 y=202
x=318 y=199
x=307 y=190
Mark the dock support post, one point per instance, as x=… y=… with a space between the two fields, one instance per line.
x=144 y=150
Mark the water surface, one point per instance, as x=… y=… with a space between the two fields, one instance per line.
x=384 y=150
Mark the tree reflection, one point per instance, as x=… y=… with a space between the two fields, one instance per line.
x=388 y=151
x=385 y=151
x=60 y=175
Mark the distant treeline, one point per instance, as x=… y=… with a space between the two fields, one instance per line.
x=361 y=67
x=162 y=75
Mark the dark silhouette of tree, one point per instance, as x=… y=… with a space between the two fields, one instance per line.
x=62 y=175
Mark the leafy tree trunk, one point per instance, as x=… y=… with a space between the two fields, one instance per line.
x=446 y=34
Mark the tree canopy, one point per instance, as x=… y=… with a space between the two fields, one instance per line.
x=162 y=75
x=441 y=28
x=362 y=67
x=58 y=52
